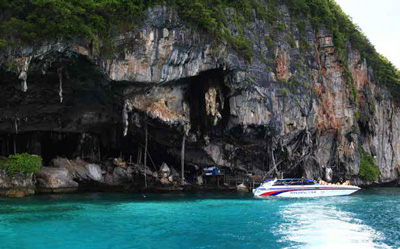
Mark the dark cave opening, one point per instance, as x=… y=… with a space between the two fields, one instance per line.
x=198 y=87
x=92 y=147
x=58 y=145
x=106 y=141
x=195 y=97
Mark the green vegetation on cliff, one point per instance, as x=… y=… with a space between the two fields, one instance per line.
x=22 y=163
x=32 y=20
x=368 y=170
x=330 y=15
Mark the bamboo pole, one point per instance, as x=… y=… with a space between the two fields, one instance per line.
x=99 y=151
x=15 y=145
x=145 y=154
x=183 y=160
x=139 y=155
x=151 y=160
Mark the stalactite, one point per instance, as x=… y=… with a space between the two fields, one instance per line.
x=23 y=76
x=127 y=107
x=24 y=85
x=60 y=91
x=16 y=124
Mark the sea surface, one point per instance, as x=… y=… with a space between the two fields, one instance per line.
x=367 y=219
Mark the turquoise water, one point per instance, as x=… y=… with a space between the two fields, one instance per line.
x=368 y=219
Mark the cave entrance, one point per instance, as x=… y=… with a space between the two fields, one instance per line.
x=164 y=140
x=207 y=91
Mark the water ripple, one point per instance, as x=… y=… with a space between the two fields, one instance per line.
x=368 y=219
x=325 y=226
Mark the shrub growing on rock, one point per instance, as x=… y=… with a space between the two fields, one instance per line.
x=22 y=163
x=368 y=170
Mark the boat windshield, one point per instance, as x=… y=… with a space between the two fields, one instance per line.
x=280 y=182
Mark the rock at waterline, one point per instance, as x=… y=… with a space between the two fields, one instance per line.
x=242 y=188
x=55 y=178
x=17 y=185
x=165 y=181
x=164 y=170
x=79 y=169
x=94 y=172
x=19 y=193
x=121 y=176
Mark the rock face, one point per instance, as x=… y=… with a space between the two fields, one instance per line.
x=94 y=172
x=79 y=169
x=164 y=171
x=242 y=188
x=285 y=110
x=56 y=180
x=17 y=185
x=67 y=175
x=168 y=175
x=121 y=176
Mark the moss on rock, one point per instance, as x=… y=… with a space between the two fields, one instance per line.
x=368 y=169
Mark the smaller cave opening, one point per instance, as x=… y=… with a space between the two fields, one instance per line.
x=161 y=139
x=58 y=145
x=93 y=147
x=201 y=123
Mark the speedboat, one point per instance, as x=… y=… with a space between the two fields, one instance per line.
x=296 y=187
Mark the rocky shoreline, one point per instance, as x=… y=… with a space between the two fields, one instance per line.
x=76 y=175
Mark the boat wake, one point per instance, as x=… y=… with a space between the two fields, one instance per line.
x=316 y=226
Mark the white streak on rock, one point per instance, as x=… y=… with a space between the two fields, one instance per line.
x=60 y=91
x=23 y=75
x=127 y=107
x=16 y=124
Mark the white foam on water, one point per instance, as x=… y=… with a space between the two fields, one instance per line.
x=320 y=226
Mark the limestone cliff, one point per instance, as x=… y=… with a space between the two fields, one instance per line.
x=290 y=108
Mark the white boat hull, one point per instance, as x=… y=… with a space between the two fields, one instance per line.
x=305 y=191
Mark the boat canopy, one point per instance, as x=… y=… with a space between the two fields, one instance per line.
x=268 y=180
x=289 y=179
